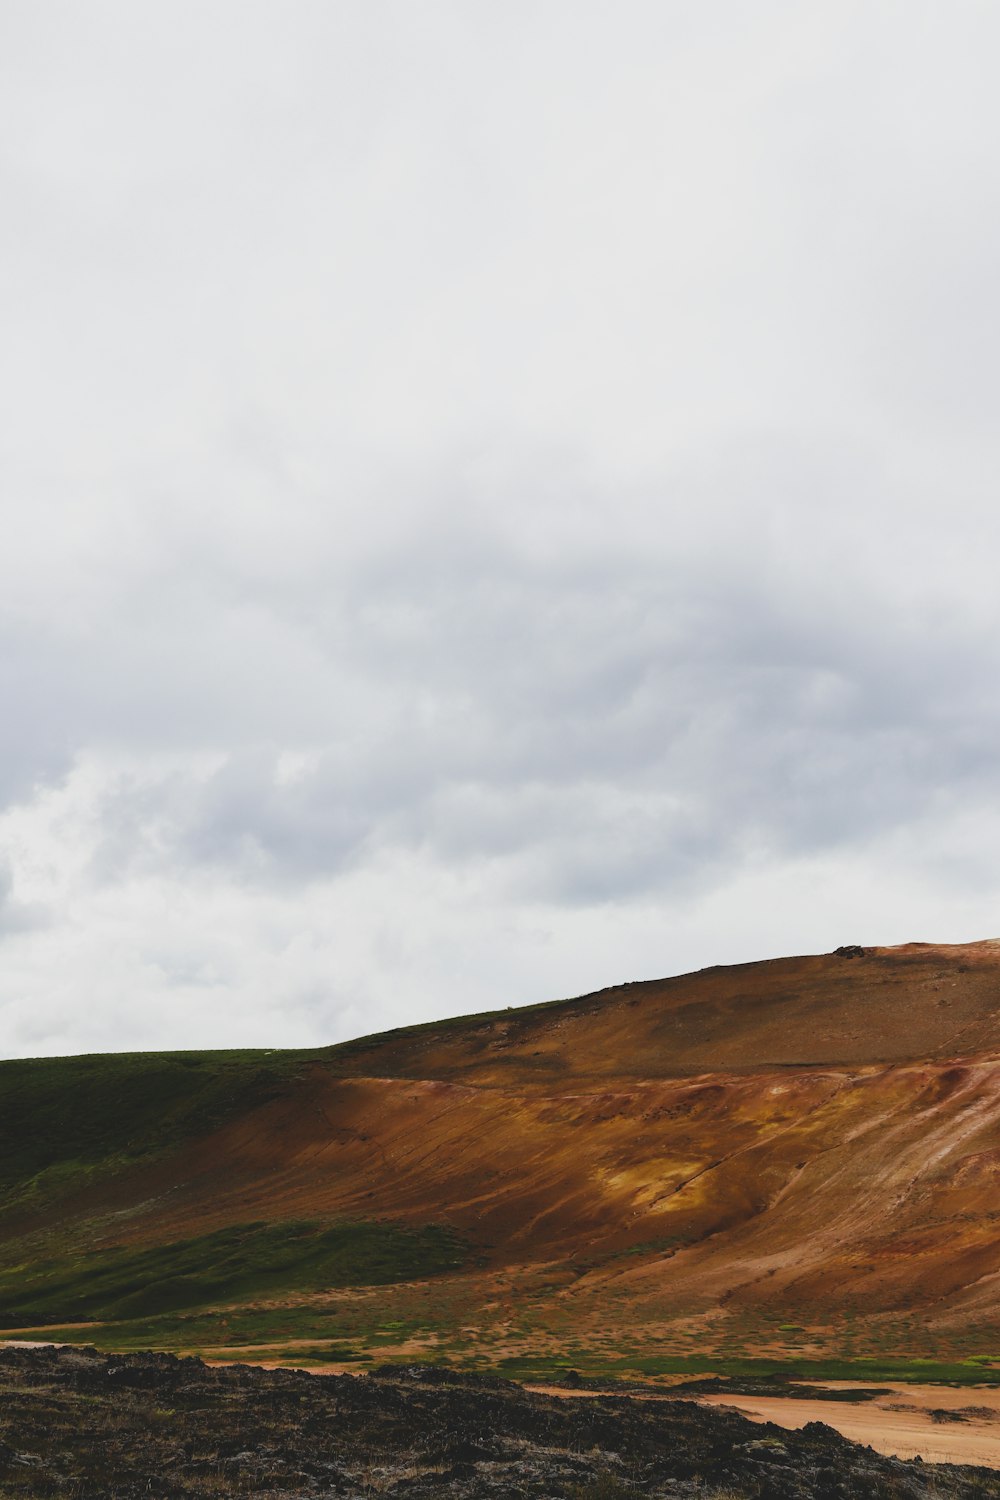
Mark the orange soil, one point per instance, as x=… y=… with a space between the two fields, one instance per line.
x=900 y=1423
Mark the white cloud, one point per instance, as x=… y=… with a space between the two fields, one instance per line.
x=495 y=501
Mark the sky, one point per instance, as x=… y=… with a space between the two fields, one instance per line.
x=497 y=500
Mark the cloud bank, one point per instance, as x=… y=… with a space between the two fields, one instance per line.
x=495 y=503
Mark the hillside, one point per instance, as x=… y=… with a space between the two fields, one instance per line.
x=798 y=1158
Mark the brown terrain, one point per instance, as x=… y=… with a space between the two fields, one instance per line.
x=796 y=1158
x=933 y=1422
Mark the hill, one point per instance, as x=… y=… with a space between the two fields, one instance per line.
x=794 y=1160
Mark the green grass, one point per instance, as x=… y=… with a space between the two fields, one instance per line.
x=68 y=1121
x=864 y=1371
x=322 y=1354
x=198 y=1330
x=354 y=1335
x=232 y=1265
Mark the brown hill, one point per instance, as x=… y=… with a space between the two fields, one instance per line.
x=797 y=1155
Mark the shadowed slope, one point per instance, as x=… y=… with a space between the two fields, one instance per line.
x=796 y=1154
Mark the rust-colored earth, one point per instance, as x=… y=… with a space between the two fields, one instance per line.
x=801 y=1155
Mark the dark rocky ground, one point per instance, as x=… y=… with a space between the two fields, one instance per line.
x=80 y=1424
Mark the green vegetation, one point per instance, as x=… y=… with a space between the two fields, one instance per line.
x=236 y=1264
x=316 y=1335
x=68 y=1121
x=321 y=1354
x=864 y=1371
x=663 y=1245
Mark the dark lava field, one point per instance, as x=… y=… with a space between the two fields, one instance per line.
x=80 y=1424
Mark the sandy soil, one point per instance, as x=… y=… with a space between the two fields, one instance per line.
x=899 y=1423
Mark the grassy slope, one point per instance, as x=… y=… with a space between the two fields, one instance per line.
x=233 y=1265
x=68 y=1122
x=599 y=1172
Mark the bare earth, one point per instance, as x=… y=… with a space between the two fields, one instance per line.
x=899 y=1424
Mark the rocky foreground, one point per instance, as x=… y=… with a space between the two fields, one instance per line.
x=77 y=1423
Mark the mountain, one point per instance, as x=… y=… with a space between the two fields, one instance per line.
x=794 y=1160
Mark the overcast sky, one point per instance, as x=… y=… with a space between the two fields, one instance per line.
x=498 y=499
